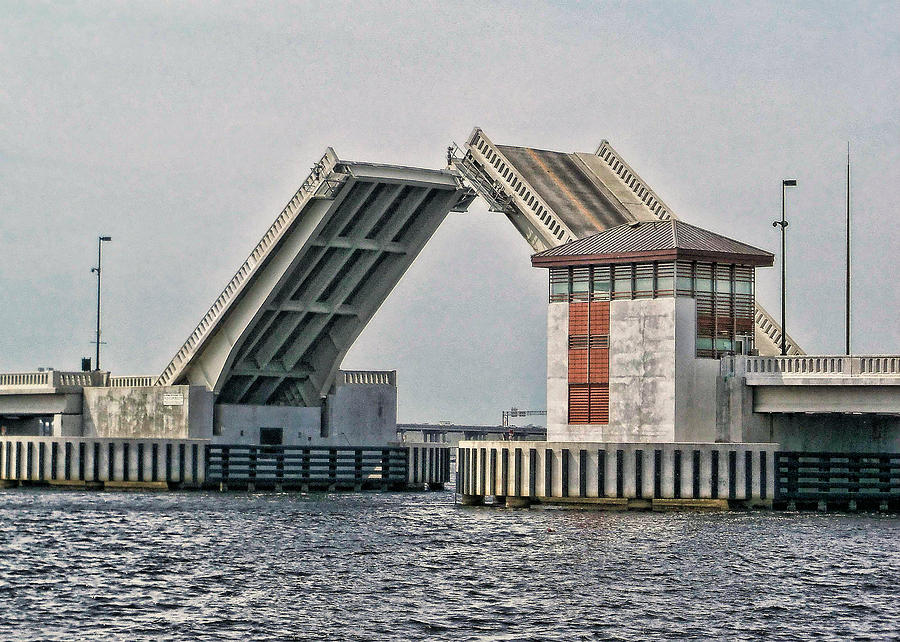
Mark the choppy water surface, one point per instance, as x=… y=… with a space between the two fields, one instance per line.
x=106 y=565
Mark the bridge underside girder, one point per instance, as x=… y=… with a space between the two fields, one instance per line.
x=816 y=399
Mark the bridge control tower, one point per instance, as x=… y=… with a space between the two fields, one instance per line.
x=638 y=317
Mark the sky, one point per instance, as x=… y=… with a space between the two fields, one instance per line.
x=182 y=129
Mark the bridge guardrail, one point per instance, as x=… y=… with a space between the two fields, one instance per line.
x=24 y=379
x=135 y=381
x=368 y=377
x=813 y=365
x=52 y=379
x=319 y=175
x=834 y=476
x=769 y=327
x=325 y=467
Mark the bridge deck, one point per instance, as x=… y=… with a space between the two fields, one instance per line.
x=820 y=384
x=565 y=183
x=555 y=197
x=277 y=333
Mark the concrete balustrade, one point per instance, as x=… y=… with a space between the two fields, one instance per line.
x=617 y=475
x=132 y=382
x=368 y=377
x=879 y=365
x=761 y=368
x=544 y=228
x=50 y=381
x=770 y=332
x=76 y=379
x=29 y=379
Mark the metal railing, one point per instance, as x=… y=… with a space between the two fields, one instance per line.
x=302 y=465
x=826 y=476
x=328 y=467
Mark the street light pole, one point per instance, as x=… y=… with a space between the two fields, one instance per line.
x=789 y=182
x=100 y=241
x=847 y=324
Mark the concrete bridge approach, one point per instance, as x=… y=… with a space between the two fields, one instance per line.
x=822 y=384
x=827 y=403
x=44 y=402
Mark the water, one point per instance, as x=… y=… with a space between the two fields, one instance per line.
x=209 y=566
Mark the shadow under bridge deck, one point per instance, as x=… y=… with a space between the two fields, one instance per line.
x=279 y=330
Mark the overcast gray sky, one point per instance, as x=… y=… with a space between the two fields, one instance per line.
x=181 y=131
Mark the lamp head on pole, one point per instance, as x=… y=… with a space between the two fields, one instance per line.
x=789 y=182
x=106 y=238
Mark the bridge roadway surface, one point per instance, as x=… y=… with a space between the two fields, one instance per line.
x=569 y=189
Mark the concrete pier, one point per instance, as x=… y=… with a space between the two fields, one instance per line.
x=98 y=463
x=617 y=476
x=102 y=462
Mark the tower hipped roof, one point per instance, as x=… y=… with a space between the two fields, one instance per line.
x=653 y=241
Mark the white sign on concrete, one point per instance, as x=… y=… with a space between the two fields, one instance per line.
x=173 y=399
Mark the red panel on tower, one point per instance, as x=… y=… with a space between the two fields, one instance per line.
x=600 y=317
x=599 y=404
x=599 y=366
x=578 y=318
x=578 y=366
x=578 y=404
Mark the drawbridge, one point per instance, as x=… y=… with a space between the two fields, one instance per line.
x=554 y=197
x=279 y=330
